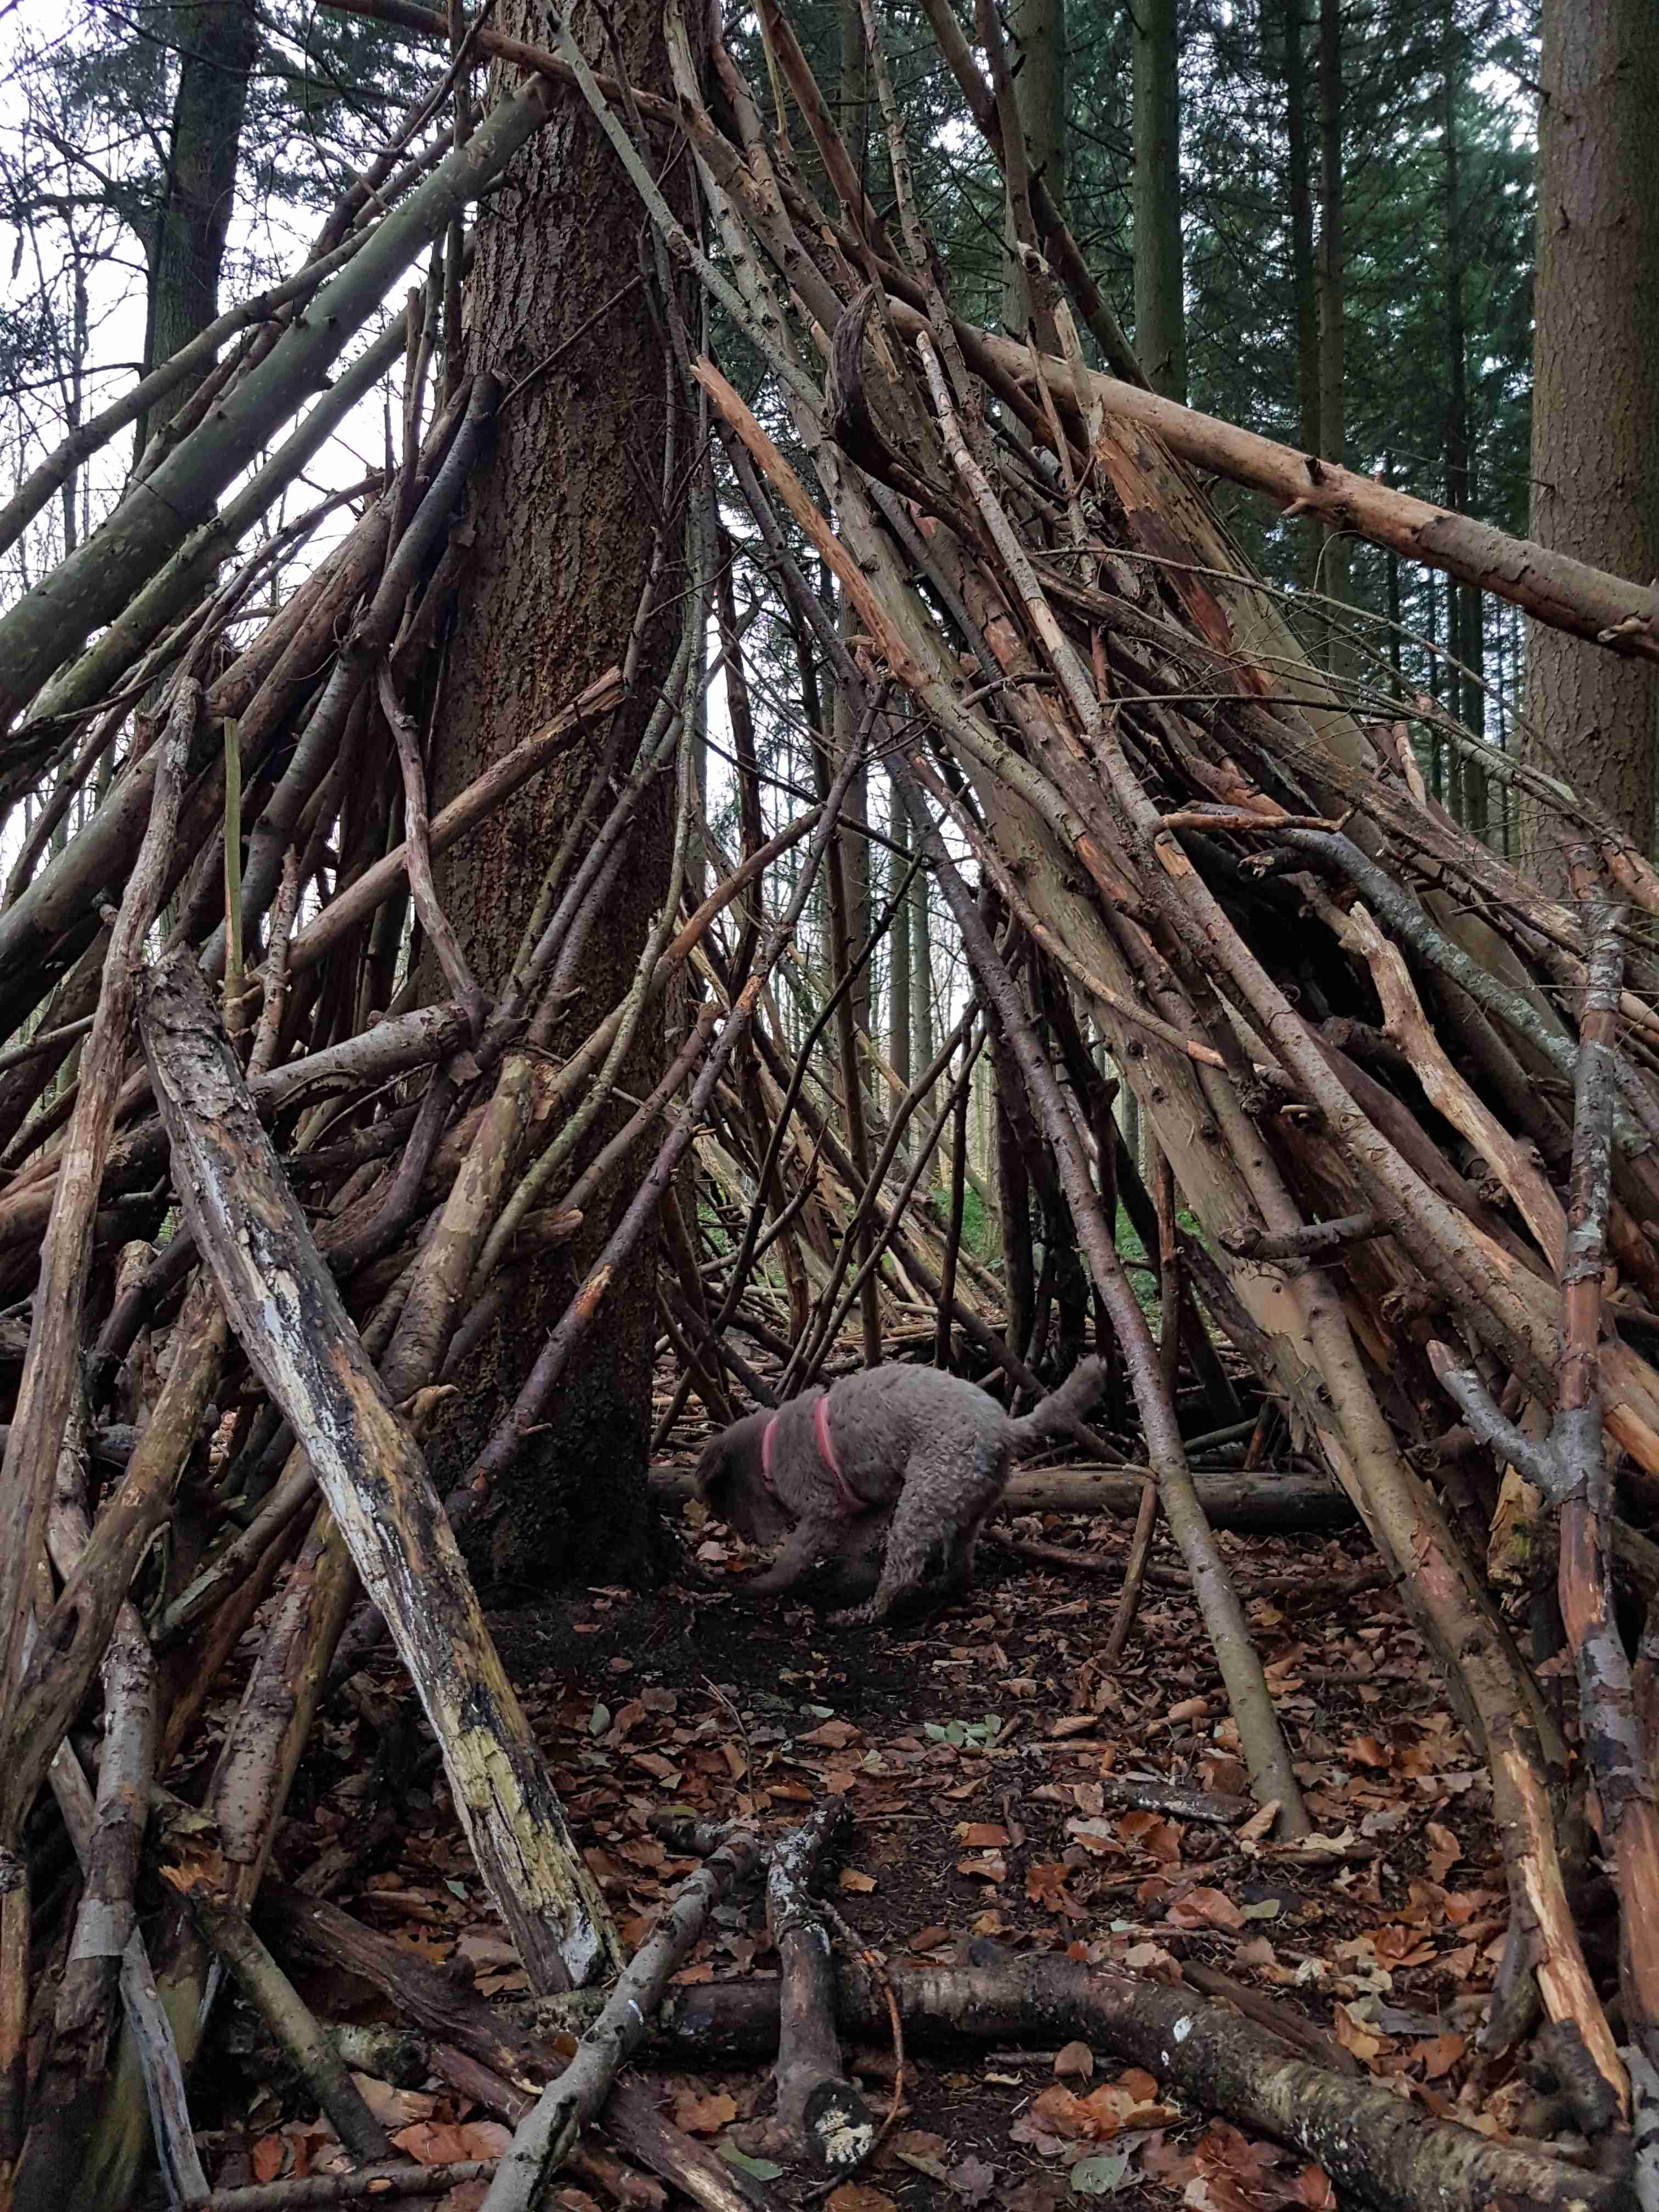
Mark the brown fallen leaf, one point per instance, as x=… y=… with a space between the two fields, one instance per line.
x=704 y=2115
x=833 y=1736
x=1150 y=1832
x=982 y=1835
x=991 y=1867
x=1353 y=2035
x=1438 y=2054
x=858 y=2197
x=1075 y=2058
x=1037 y=2194
x=1204 y=1908
x=1259 y=1825
x=850 y=1878
x=1444 y=1850
x=1045 y=1885
x=268 y=2157
x=441 y=2142
x=973 y=2180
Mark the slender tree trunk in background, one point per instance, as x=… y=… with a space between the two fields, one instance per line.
x=1038 y=31
x=1160 y=294
x=1304 y=280
x=1469 y=640
x=898 y=945
x=841 y=945
x=1129 y=1110
x=562 y=547
x=854 y=83
x=1437 y=687
x=1596 y=390
x=855 y=873
x=217 y=41
x=921 y=989
x=1334 y=565
x=1392 y=573
x=1014 y=1207
x=981 y=1154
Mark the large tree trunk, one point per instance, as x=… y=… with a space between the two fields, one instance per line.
x=1596 y=389
x=1160 y=302
x=564 y=513
x=217 y=40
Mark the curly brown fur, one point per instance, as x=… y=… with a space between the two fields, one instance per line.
x=921 y=1459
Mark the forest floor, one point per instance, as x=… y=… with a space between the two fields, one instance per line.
x=983 y=1759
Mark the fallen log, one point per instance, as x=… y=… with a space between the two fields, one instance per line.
x=1369 y=2142
x=1266 y=1503
x=819 y=2108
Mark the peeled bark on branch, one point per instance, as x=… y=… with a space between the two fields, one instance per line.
x=816 y=2105
x=1568 y=594
x=284 y=1307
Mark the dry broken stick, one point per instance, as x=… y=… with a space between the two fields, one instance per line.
x=539 y=2148
x=385 y=2183
x=107 y=1834
x=819 y=2108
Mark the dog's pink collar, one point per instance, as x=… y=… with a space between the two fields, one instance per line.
x=850 y=1497
x=827 y=1454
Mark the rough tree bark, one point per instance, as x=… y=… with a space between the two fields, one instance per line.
x=1596 y=391
x=565 y=514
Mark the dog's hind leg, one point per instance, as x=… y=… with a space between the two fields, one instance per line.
x=937 y=1518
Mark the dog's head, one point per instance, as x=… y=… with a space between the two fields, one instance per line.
x=732 y=1482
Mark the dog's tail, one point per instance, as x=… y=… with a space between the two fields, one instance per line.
x=1060 y=1412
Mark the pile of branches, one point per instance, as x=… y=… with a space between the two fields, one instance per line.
x=1408 y=1096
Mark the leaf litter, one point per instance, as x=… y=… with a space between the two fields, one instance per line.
x=975 y=1757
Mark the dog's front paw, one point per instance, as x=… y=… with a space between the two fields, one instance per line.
x=853 y=1616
